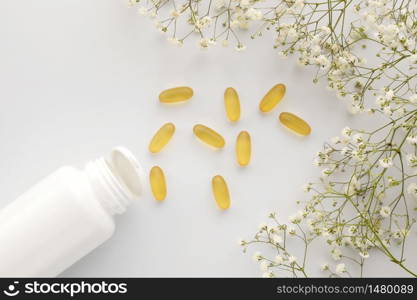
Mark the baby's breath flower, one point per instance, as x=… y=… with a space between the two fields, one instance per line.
x=412 y=140
x=357 y=138
x=385 y=162
x=277 y=239
x=335 y=140
x=326 y=172
x=278 y=259
x=292 y=231
x=175 y=41
x=264 y=266
x=325 y=30
x=364 y=254
x=242 y=242
x=385 y=211
x=204 y=43
x=175 y=13
x=254 y=14
x=346 y=132
x=336 y=254
x=296 y=218
x=340 y=269
x=245 y=3
x=263 y=226
x=268 y=275
x=257 y=256
x=307 y=187
x=240 y=47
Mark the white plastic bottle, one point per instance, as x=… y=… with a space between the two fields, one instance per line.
x=66 y=215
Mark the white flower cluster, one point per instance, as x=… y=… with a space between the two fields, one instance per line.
x=336 y=50
x=278 y=235
x=211 y=21
x=349 y=207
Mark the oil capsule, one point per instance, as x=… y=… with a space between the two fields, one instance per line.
x=209 y=136
x=158 y=184
x=272 y=98
x=243 y=148
x=161 y=137
x=220 y=192
x=295 y=123
x=177 y=94
x=232 y=104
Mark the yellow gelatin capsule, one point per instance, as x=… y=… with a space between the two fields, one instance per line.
x=232 y=104
x=220 y=192
x=243 y=148
x=209 y=136
x=272 y=98
x=295 y=123
x=158 y=184
x=161 y=137
x=177 y=94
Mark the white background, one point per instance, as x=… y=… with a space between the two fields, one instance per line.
x=79 y=77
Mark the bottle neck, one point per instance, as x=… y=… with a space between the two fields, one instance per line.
x=117 y=181
x=111 y=194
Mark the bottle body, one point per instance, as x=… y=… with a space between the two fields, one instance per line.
x=51 y=226
x=63 y=217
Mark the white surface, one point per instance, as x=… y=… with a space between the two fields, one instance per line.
x=79 y=77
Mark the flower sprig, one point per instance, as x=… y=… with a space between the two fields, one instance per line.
x=278 y=236
x=211 y=21
x=365 y=199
